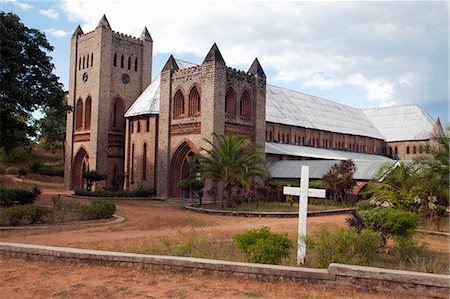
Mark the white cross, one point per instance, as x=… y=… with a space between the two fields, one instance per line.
x=304 y=192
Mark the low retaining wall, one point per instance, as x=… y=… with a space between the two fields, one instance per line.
x=366 y=278
x=268 y=214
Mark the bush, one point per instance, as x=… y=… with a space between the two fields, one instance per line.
x=9 y=197
x=317 y=184
x=343 y=246
x=408 y=249
x=364 y=205
x=98 y=210
x=262 y=246
x=24 y=215
x=389 y=222
x=36 y=167
x=135 y=193
x=23 y=172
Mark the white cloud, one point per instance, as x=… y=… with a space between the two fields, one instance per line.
x=58 y=33
x=389 y=52
x=19 y=4
x=50 y=13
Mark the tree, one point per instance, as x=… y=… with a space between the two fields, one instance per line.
x=339 y=179
x=435 y=165
x=92 y=177
x=26 y=81
x=234 y=161
x=52 y=127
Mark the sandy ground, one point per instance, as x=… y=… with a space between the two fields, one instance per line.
x=146 y=221
x=38 y=279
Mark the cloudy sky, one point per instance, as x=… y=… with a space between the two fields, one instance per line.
x=363 y=54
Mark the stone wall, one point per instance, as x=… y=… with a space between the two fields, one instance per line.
x=364 y=278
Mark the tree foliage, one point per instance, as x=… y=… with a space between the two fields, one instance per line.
x=26 y=79
x=234 y=161
x=435 y=165
x=339 y=179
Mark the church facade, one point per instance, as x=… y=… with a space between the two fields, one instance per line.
x=141 y=132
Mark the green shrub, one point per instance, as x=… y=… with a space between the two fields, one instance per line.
x=36 y=167
x=264 y=247
x=9 y=197
x=408 y=248
x=23 y=172
x=24 y=215
x=389 y=222
x=98 y=209
x=18 y=155
x=364 y=205
x=343 y=246
x=316 y=184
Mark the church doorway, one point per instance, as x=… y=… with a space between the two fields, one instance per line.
x=79 y=166
x=180 y=168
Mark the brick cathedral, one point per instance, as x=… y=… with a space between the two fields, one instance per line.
x=141 y=132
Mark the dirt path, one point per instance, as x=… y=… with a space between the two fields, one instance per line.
x=39 y=279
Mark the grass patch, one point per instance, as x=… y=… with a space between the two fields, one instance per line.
x=314 y=204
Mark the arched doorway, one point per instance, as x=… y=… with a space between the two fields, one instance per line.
x=80 y=165
x=179 y=167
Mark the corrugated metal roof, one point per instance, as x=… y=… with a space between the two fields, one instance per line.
x=319 y=153
x=294 y=108
x=148 y=101
x=365 y=170
x=401 y=122
x=297 y=109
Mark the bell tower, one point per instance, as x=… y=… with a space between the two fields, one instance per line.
x=108 y=71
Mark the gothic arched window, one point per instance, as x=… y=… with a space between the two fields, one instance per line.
x=118 y=111
x=92 y=59
x=87 y=113
x=178 y=104
x=79 y=115
x=246 y=106
x=135 y=65
x=129 y=63
x=194 y=102
x=115 y=59
x=230 y=103
x=144 y=162
x=121 y=61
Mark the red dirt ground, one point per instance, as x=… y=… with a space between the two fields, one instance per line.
x=37 y=279
x=146 y=221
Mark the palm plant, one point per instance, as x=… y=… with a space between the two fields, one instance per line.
x=234 y=161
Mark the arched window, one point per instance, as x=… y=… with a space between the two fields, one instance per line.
x=115 y=59
x=87 y=113
x=135 y=65
x=79 y=63
x=147 y=125
x=178 y=104
x=144 y=162
x=396 y=150
x=92 y=59
x=79 y=115
x=117 y=117
x=230 y=103
x=87 y=61
x=129 y=63
x=84 y=60
x=414 y=150
x=132 y=126
x=407 y=149
x=138 y=126
x=121 y=61
x=132 y=163
x=246 y=106
x=194 y=102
